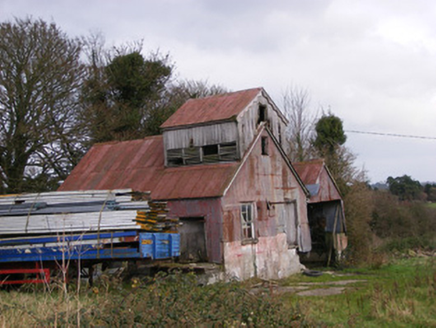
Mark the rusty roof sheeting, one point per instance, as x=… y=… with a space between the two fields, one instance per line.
x=318 y=180
x=211 y=109
x=139 y=164
x=309 y=171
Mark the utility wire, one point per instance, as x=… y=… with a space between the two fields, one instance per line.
x=391 y=134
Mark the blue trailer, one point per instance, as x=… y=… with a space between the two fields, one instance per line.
x=39 y=255
x=40 y=232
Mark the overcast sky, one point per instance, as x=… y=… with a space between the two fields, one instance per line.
x=372 y=62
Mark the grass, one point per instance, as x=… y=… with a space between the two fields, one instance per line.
x=431 y=205
x=399 y=294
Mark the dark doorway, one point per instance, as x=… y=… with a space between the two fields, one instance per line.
x=192 y=240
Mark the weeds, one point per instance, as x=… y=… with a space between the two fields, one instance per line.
x=174 y=300
x=398 y=294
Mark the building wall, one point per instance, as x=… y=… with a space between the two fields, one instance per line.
x=248 y=123
x=210 y=209
x=268 y=183
x=201 y=135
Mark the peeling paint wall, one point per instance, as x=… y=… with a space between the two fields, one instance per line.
x=267 y=182
x=269 y=258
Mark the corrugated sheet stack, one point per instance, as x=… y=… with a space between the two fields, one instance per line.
x=81 y=211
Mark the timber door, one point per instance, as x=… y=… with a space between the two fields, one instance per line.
x=192 y=240
x=291 y=223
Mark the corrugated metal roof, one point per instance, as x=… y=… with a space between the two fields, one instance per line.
x=139 y=164
x=211 y=109
x=309 y=171
x=318 y=180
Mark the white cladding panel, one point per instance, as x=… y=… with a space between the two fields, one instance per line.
x=201 y=135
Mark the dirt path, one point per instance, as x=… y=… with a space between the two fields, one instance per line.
x=325 y=288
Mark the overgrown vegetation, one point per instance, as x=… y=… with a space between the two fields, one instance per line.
x=403 y=225
x=401 y=293
x=174 y=300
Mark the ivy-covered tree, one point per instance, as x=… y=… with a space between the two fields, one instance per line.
x=329 y=133
x=40 y=74
x=329 y=144
x=121 y=92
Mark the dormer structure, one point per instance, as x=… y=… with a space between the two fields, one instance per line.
x=220 y=128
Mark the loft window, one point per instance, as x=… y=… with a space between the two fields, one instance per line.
x=210 y=154
x=262 y=114
x=265 y=146
x=247 y=222
x=223 y=152
x=183 y=156
x=210 y=150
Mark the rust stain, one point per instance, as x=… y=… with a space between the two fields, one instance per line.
x=314 y=172
x=139 y=165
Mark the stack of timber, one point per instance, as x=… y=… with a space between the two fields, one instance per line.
x=155 y=218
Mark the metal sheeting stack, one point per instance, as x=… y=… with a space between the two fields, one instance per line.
x=72 y=211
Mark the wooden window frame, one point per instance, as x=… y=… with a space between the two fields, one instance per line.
x=248 y=230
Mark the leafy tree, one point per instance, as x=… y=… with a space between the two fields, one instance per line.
x=121 y=91
x=301 y=127
x=430 y=190
x=328 y=143
x=40 y=73
x=405 y=188
x=329 y=134
x=127 y=96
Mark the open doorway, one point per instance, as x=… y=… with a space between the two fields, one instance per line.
x=192 y=240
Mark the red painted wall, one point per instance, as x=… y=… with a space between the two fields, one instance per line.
x=210 y=209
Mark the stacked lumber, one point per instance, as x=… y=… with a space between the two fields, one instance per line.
x=155 y=218
x=81 y=212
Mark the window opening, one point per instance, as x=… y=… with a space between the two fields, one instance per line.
x=224 y=152
x=210 y=150
x=265 y=146
x=247 y=220
x=262 y=114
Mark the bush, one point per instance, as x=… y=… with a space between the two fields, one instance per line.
x=168 y=300
x=403 y=225
x=358 y=209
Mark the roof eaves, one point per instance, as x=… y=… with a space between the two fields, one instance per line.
x=274 y=106
x=331 y=177
x=187 y=126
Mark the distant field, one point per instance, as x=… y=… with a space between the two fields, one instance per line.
x=432 y=205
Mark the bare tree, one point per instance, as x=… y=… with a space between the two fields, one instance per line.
x=301 y=128
x=39 y=79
